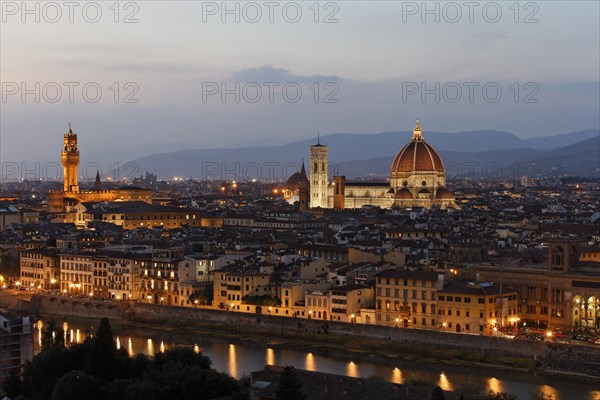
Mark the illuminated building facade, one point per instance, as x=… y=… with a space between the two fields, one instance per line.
x=63 y=200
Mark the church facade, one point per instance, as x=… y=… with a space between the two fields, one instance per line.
x=417 y=179
x=66 y=199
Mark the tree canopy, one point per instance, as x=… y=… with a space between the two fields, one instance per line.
x=95 y=369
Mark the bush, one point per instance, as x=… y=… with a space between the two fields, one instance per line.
x=437 y=394
x=539 y=395
x=500 y=396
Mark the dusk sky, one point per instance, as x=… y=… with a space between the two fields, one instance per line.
x=369 y=61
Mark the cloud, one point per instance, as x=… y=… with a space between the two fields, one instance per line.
x=267 y=73
x=142 y=67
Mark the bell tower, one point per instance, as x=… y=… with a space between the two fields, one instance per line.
x=563 y=254
x=70 y=162
x=318 y=175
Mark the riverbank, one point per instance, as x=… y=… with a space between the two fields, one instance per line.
x=356 y=340
x=384 y=349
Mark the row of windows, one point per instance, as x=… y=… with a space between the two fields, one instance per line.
x=397 y=306
x=458 y=299
x=25 y=274
x=405 y=294
x=76 y=266
x=405 y=282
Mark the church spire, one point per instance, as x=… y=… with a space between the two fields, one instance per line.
x=303 y=170
x=417 y=133
x=98 y=184
x=318 y=138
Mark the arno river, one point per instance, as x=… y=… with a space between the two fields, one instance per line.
x=239 y=358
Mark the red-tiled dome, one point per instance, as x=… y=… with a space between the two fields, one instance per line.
x=297 y=179
x=417 y=155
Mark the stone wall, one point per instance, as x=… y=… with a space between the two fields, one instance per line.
x=80 y=308
x=493 y=345
x=574 y=358
x=555 y=356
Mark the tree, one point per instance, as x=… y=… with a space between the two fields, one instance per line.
x=204 y=295
x=53 y=361
x=437 y=394
x=52 y=336
x=539 y=395
x=77 y=385
x=275 y=278
x=289 y=386
x=13 y=386
x=101 y=358
x=502 y=396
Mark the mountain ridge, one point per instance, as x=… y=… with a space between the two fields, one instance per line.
x=481 y=146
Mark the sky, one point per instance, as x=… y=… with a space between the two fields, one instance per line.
x=141 y=77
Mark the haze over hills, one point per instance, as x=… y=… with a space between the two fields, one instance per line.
x=565 y=139
x=582 y=158
x=360 y=155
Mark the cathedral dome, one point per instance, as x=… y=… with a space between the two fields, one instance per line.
x=297 y=179
x=417 y=156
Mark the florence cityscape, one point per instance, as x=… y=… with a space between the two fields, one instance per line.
x=300 y=200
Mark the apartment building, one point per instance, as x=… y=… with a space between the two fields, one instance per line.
x=407 y=298
x=479 y=308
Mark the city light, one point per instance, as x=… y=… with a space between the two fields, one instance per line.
x=191 y=179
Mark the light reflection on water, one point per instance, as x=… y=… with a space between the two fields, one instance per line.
x=352 y=370
x=270 y=357
x=444 y=383
x=396 y=375
x=309 y=363
x=237 y=359
x=495 y=385
x=232 y=368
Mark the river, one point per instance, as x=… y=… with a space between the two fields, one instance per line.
x=241 y=358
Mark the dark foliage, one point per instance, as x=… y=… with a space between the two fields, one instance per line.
x=204 y=295
x=289 y=386
x=77 y=385
x=13 y=386
x=95 y=369
x=437 y=394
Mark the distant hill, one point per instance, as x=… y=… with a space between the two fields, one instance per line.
x=581 y=158
x=550 y=142
x=357 y=155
